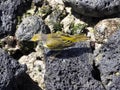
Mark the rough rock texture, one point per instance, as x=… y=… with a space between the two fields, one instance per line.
x=9 y=9
x=38 y=2
x=105 y=28
x=53 y=20
x=95 y=8
x=53 y=3
x=10 y=69
x=108 y=60
x=73 y=25
x=30 y=26
x=71 y=70
x=36 y=67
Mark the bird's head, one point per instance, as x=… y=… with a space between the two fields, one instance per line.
x=36 y=37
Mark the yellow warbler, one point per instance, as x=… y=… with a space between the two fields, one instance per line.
x=55 y=41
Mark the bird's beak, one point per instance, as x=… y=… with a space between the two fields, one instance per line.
x=35 y=38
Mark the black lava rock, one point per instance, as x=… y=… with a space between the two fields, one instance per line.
x=71 y=70
x=109 y=62
x=9 y=9
x=94 y=8
x=10 y=69
x=115 y=85
x=30 y=26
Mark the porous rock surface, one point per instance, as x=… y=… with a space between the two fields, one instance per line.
x=35 y=67
x=9 y=9
x=94 y=8
x=30 y=26
x=109 y=62
x=10 y=69
x=105 y=28
x=71 y=70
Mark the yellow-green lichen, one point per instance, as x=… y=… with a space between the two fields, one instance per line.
x=57 y=27
x=45 y=9
x=0 y=43
x=77 y=28
x=19 y=20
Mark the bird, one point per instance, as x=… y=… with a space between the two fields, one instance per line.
x=58 y=41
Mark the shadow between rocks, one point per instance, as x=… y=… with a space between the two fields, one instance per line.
x=69 y=53
x=93 y=20
x=26 y=83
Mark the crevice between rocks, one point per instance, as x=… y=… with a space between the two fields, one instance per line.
x=96 y=74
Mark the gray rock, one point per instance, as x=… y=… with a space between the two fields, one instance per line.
x=94 y=8
x=115 y=85
x=9 y=9
x=71 y=70
x=53 y=20
x=30 y=26
x=10 y=69
x=105 y=28
x=38 y=2
x=109 y=62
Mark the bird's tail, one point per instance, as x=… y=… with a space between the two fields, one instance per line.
x=80 y=37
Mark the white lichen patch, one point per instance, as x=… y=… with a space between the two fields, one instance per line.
x=36 y=67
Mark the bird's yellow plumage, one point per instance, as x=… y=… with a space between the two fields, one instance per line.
x=55 y=41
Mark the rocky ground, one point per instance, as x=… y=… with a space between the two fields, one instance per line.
x=88 y=65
